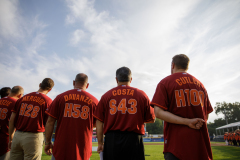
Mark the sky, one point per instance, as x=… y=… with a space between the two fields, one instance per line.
x=61 y=38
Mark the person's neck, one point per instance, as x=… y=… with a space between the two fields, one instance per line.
x=179 y=70
x=13 y=96
x=42 y=91
x=80 y=87
x=124 y=83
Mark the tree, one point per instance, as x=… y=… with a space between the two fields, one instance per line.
x=155 y=128
x=230 y=110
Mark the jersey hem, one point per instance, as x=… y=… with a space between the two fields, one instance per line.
x=165 y=108
x=50 y=115
x=97 y=118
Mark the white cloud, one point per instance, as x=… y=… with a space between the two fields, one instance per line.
x=77 y=36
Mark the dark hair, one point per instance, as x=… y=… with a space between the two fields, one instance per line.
x=81 y=78
x=47 y=84
x=123 y=74
x=181 y=61
x=16 y=90
x=5 y=91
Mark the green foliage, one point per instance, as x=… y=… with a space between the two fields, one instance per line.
x=155 y=128
x=231 y=110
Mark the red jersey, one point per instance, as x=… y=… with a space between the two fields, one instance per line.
x=184 y=96
x=124 y=108
x=6 y=105
x=73 y=110
x=30 y=112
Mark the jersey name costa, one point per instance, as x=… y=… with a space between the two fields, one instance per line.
x=124 y=108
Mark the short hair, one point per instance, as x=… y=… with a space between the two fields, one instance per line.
x=47 y=84
x=181 y=61
x=16 y=90
x=81 y=78
x=124 y=74
x=5 y=91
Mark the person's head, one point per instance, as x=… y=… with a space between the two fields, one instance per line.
x=180 y=63
x=16 y=92
x=123 y=76
x=5 y=91
x=81 y=81
x=46 y=85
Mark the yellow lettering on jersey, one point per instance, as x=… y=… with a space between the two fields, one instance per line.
x=186 y=79
x=24 y=98
x=190 y=80
x=69 y=97
x=119 y=91
x=89 y=101
x=66 y=98
x=82 y=98
x=31 y=98
x=77 y=97
x=123 y=91
x=74 y=96
x=86 y=99
x=131 y=93
x=114 y=93
x=128 y=91
x=178 y=82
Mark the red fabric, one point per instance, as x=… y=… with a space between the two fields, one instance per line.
x=30 y=112
x=127 y=100
x=6 y=105
x=185 y=96
x=73 y=137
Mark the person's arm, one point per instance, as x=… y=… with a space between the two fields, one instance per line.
x=11 y=129
x=99 y=128
x=195 y=123
x=48 y=135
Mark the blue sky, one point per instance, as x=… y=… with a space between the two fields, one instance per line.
x=60 y=38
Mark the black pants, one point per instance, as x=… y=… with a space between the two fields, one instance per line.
x=123 y=146
x=169 y=156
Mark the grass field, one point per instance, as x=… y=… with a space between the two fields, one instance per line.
x=153 y=152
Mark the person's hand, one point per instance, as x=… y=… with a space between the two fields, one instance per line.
x=48 y=149
x=9 y=145
x=100 y=148
x=195 y=123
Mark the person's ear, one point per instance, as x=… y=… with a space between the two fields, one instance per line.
x=20 y=95
x=49 y=90
x=116 y=80
x=73 y=83
x=131 y=80
x=39 y=85
x=87 y=86
x=173 y=65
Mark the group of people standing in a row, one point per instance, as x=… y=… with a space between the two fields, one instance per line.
x=180 y=100
x=232 y=138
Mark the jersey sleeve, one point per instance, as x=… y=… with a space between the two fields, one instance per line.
x=99 y=111
x=160 y=97
x=48 y=103
x=209 y=106
x=149 y=111
x=53 y=109
x=94 y=109
x=15 y=107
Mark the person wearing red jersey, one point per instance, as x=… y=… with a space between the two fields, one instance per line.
x=182 y=102
x=225 y=137
x=6 y=105
x=73 y=111
x=121 y=114
x=5 y=91
x=29 y=119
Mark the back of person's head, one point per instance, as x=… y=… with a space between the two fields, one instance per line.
x=181 y=61
x=81 y=79
x=5 y=91
x=47 y=84
x=17 y=90
x=124 y=74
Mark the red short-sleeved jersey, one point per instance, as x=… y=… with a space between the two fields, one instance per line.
x=185 y=96
x=6 y=105
x=73 y=110
x=30 y=112
x=124 y=108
